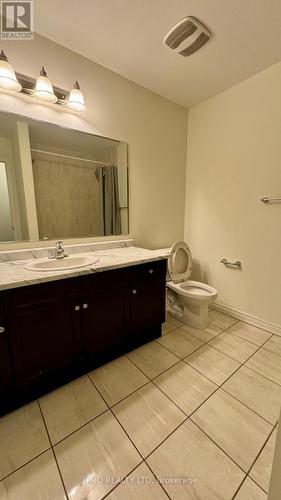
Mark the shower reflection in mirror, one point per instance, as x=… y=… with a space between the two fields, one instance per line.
x=60 y=183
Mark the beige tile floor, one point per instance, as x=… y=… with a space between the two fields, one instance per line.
x=191 y=415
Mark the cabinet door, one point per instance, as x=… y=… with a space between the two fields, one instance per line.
x=105 y=324
x=147 y=306
x=6 y=377
x=6 y=373
x=148 y=301
x=46 y=347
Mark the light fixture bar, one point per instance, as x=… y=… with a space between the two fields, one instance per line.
x=28 y=85
x=40 y=88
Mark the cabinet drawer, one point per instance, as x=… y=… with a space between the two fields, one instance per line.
x=19 y=300
x=144 y=273
x=28 y=298
x=105 y=280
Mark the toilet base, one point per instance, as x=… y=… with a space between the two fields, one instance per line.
x=196 y=316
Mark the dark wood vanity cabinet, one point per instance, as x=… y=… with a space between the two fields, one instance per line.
x=58 y=330
x=6 y=374
x=147 y=300
x=45 y=345
x=105 y=315
x=105 y=324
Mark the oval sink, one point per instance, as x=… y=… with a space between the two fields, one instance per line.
x=71 y=262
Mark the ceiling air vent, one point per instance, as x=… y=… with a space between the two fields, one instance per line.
x=187 y=36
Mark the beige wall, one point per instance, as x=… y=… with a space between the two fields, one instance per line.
x=233 y=159
x=153 y=127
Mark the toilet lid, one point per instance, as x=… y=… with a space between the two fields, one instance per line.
x=180 y=262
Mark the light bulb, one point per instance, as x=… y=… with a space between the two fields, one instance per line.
x=44 y=88
x=8 y=79
x=76 y=98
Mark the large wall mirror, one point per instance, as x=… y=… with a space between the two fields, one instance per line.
x=58 y=183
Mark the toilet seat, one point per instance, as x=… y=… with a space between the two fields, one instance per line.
x=180 y=262
x=195 y=291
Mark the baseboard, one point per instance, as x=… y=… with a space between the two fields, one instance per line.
x=248 y=318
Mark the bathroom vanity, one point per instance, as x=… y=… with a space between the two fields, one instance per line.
x=57 y=323
x=54 y=331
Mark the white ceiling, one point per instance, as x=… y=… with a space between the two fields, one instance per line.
x=127 y=37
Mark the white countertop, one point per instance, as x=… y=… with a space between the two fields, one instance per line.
x=13 y=273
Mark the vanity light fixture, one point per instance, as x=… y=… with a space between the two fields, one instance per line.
x=8 y=79
x=41 y=88
x=76 y=99
x=44 y=88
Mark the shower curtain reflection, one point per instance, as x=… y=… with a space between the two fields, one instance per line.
x=109 y=206
x=67 y=197
x=75 y=198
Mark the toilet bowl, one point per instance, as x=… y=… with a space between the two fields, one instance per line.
x=194 y=296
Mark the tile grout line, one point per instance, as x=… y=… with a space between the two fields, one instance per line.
x=166 y=369
x=242 y=338
x=79 y=428
x=113 y=414
x=218 y=446
x=241 y=364
x=261 y=450
x=243 y=405
x=159 y=482
x=172 y=352
x=124 y=477
x=198 y=338
x=213 y=338
x=25 y=463
x=254 y=481
x=53 y=451
x=125 y=397
x=187 y=418
x=152 y=380
x=203 y=344
x=139 y=452
x=248 y=473
x=124 y=430
x=220 y=386
x=261 y=375
x=237 y=399
x=216 y=390
x=239 y=487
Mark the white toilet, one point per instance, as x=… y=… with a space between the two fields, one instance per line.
x=194 y=296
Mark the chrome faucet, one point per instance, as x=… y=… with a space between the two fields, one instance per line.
x=59 y=251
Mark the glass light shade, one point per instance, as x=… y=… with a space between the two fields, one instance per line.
x=8 y=79
x=44 y=89
x=76 y=100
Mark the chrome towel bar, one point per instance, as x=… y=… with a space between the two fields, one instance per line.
x=235 y=263
x=267 y=199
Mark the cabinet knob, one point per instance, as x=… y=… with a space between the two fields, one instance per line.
x=77 y=308
x=151 y=271
x=134 y=292
x=2 y=329
x=85 y=306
